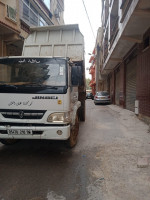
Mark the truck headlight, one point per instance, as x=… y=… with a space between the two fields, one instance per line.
x=59 y=117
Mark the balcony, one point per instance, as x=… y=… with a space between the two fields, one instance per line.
x=105 y=51
x=105 y=12
x=125 y=7
x=61 y=5
x=114 y=19
x=92 y=70
x=105 y=46
x=92 y=83
x=114 y=30
x=110 y=2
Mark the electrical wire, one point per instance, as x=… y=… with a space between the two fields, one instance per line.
x=88 y=18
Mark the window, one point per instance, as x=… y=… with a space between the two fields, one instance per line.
x=31 y=15
x=33 y=18
x=25 y=12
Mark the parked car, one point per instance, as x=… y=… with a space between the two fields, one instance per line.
x=89 y=95
x=102 y=97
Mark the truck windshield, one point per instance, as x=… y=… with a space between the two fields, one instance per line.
x=33 y=75
x=32 y=71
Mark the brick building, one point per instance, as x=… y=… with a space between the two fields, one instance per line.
x=125 y=50
x=17 y=16
x=97 y=78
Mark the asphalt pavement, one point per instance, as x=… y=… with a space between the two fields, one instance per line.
x=47 y=170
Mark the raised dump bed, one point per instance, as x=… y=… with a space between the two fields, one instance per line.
x=55 y=41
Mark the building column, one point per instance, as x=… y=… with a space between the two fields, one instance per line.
x=112 y=92
x=122 y=85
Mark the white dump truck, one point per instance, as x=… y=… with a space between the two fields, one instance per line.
x=42 y=92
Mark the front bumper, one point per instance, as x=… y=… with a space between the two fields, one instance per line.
x=101 y=101
x=38 y=132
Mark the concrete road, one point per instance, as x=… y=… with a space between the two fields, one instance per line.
x=47 y=170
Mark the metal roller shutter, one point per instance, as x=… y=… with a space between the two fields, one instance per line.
x=131 y=85
x=117 y=87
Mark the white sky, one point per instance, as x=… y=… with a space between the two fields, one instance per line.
x=47 y=2
x=75 y=14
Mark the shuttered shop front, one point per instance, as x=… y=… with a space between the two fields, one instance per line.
x=131 y=84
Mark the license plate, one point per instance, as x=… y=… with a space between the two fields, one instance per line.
x=19 y=132
x=102 y=97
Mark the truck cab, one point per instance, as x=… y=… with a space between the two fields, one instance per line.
x=42 y=97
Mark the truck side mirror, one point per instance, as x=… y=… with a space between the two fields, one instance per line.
x=76 y=76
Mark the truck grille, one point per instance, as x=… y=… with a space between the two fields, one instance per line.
x=23 y=114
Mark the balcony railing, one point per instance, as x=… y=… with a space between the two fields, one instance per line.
x=106 y=12
x=106 y=17
x=105 y=51
x=92 y=83
x=114 y=31
x=125 y=7
x=92 y=70
x=110 y=2
x=61 y=5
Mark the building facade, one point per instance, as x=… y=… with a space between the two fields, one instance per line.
x=92 y=71
x=125 y=51
x=10 y=32
x=16 y=18
x=57 y=10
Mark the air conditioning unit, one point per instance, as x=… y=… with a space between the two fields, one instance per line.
x=11 y=13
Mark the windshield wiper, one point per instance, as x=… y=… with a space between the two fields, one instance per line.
x=52 y=87
x=8 y=86
x=40 y=85
x=33 y=85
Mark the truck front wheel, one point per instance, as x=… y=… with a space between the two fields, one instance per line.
x=71 y=142
x=8 y=141
x=82 y=111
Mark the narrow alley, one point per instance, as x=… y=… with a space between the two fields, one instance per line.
x=102 y=166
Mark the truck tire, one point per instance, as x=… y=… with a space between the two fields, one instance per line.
x=8 y=141
x=72 y=141
x=82 y=111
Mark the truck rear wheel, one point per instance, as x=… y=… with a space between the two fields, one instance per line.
x=8 y=141
x=72 y=141
x=82 y=111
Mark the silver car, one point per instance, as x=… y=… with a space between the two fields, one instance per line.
x=102 y=97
